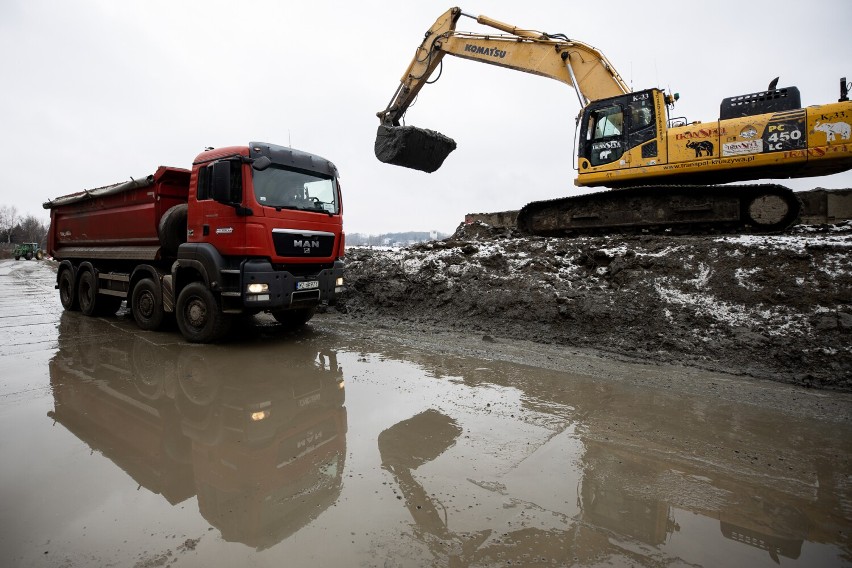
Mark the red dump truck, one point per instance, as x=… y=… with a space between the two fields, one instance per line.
x=248 y=229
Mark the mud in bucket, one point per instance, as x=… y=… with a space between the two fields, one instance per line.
x=411 y=147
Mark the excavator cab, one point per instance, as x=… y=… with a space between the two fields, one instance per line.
x=613 y=128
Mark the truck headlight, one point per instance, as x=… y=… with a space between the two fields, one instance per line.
x=259 y=415
x=257 y=288
x=339 y=281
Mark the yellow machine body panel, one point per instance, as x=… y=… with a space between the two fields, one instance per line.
x=794 y=143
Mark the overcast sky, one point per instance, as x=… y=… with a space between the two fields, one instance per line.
x=97 y=91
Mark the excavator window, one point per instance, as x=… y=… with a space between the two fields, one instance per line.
x=603 y=138
x=640 y=116
x=608 y=122
x=643 y=127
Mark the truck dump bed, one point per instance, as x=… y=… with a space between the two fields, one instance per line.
x=118 y=221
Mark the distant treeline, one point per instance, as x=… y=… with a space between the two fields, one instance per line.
x=393 y=239
x=17 y=228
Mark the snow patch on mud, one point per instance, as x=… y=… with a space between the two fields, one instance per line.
x=774 y=306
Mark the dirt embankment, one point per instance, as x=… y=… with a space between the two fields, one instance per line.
x=775 y=307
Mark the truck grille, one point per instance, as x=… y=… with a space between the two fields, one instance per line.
x=291 y=242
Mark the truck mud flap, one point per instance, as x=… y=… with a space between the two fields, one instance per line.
x=411 y=147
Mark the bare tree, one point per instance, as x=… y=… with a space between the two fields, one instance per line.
x=32 y=230
x=8 y=221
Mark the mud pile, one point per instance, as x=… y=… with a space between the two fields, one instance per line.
x=776 y=307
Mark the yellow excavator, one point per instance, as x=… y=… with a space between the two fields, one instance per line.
x=662 y=170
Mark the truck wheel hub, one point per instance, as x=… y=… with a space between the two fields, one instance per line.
x=196 y=313
x=146 y=305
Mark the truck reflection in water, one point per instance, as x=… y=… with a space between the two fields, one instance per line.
x=257 y=433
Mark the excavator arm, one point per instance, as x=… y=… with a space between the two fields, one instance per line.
x=554 y=56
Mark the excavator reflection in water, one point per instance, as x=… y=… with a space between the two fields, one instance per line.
x=625 y=500
x=603 y=508
x=259 y=435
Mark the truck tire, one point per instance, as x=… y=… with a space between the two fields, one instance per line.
x=67 y=293
x=17 y=257
x=172 y=228
x=39 y=255
x=146 y=304
x=92 y=304
x=198 y=315
x=28 y=256
x=294 y=319
x=87 y=293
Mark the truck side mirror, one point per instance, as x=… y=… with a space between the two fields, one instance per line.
x=220 y=184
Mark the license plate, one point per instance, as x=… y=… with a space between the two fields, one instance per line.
x=307 y=285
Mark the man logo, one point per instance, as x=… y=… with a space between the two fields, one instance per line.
x=305 y=243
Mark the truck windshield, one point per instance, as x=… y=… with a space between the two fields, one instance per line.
x=285 y=188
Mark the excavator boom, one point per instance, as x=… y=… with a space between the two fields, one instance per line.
x=553 y=56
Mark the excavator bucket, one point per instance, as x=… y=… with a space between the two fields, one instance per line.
x=411 y=147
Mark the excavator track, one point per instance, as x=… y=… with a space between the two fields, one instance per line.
x=681 y=209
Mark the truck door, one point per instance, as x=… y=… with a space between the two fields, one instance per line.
x=220 y=202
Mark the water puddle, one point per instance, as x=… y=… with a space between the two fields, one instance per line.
x=328 y=449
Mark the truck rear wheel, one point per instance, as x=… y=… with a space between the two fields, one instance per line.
x=294 y=319
x=91 y=304
x=87 y=292
x=146 y=303
x=198 y=315
x=66 y=291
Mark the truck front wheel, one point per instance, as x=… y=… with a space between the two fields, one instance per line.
x=198 y=315
x=147 y=305
x=66 y=291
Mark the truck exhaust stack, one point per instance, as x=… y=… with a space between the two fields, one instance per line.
x=411 y=147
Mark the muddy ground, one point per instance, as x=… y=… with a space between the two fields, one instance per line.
x=774 y=307
x=366 y=441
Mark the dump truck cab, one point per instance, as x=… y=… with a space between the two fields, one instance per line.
x=264 y=229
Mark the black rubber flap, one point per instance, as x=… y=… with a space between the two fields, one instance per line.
x=411 y=147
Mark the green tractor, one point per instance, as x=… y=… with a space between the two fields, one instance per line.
x=29 y=251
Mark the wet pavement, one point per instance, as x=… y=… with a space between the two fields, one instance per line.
x=338 y=447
